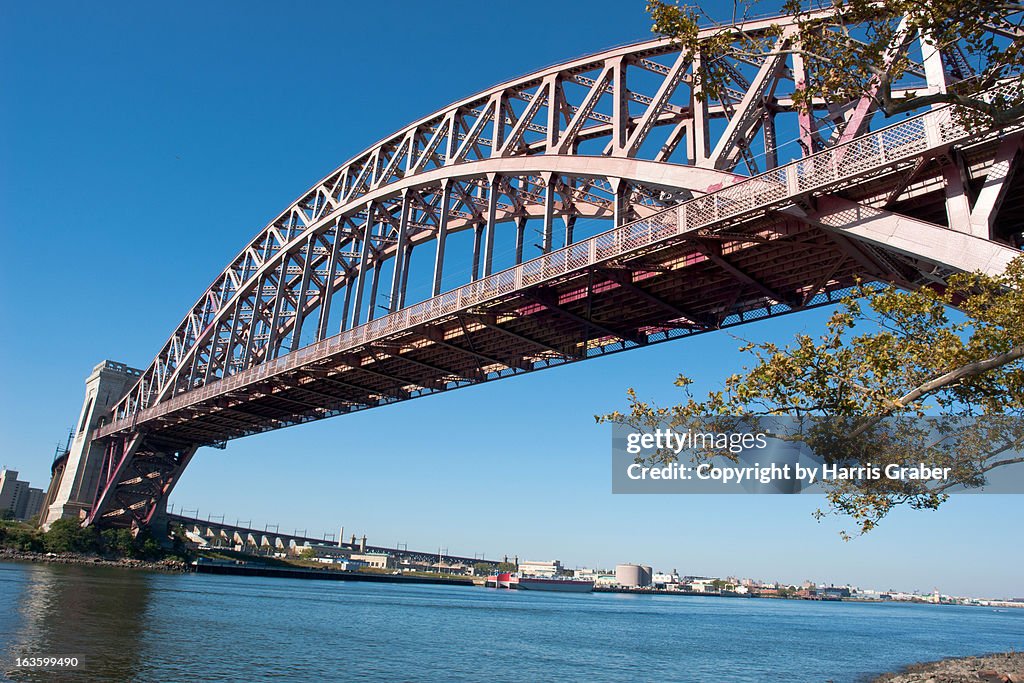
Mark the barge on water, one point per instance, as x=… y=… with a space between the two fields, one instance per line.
x=539 y=583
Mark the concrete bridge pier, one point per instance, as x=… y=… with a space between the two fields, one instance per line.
x=73 y=487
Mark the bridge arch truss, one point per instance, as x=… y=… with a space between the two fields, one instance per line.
x=600 y=205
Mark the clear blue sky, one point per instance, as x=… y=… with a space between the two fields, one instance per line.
x=141 y=145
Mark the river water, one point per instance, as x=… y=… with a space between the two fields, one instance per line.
x=128 y=625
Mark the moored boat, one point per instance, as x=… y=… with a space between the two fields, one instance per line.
x=539 y=583
x=567 y=585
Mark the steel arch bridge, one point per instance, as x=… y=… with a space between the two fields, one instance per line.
x=594 y=206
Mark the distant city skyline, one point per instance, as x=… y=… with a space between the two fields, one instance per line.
x=142 y=148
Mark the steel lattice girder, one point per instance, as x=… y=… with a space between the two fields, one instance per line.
x=514 y=153
x=547 y=113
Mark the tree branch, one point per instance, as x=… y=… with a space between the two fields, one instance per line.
x=963 y=372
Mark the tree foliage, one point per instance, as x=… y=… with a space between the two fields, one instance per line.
x=69 y=536
x=118 y=542
x=856 y=48
x=886 y=360
x=20 y=536
x=121 y=543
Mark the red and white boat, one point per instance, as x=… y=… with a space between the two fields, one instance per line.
x=539 y=583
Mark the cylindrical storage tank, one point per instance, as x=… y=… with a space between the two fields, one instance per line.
x=631 y=576
x=648 y=576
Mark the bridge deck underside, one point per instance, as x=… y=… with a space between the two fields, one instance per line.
x=774 y=266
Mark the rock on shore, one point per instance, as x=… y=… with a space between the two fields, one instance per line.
x=7 y=554
x=1000 y=668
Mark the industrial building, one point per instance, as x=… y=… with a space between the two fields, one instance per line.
x=633 y=575
x=336 y=554
x=545 y=569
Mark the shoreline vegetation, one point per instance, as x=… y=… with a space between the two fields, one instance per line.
x=165 y=565
x=1005 y=667
x=67 y=542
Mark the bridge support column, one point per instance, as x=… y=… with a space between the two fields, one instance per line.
x=997 y=181
x=300 y=306
x=620 y=206
x=76 y=488
x=549 y=211
x=958 y=205
x=400 y=260
x=570 y=224
x=478 y=233
x=442 y=235
x=374 y=285
x=492 y=221
x=346 y=304
x=364 y=255
x=805 y=121
x=328 y=290
x=520 y=230
x=697 y=142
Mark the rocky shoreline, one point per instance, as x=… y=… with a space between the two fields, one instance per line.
x=8 y=555
x=1007 y=667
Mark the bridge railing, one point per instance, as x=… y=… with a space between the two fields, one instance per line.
x=829 y=168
